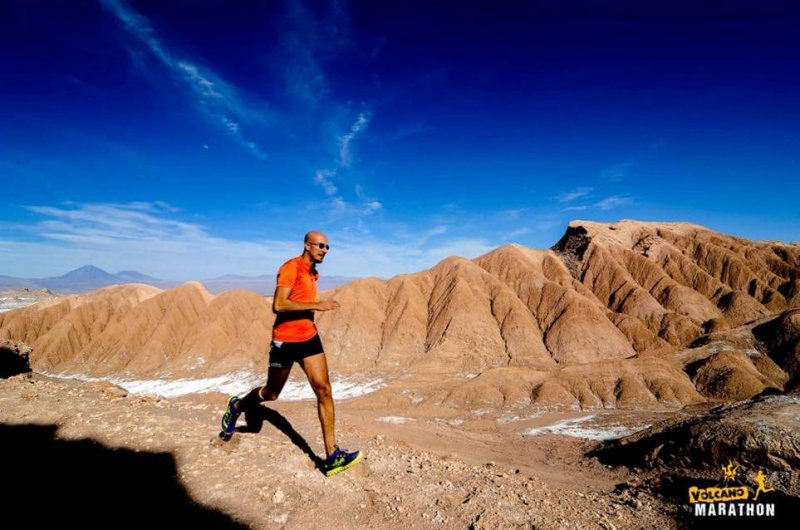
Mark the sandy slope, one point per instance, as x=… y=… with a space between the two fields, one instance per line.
x=141 y=455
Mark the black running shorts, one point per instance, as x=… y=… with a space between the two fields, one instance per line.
x=283 y=354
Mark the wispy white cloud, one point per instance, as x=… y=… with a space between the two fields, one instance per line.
x=516 y=233
x=344 y=140
x=378 y=256
x=433 y=232
x=608 y=203
x=308 y=37
x=619 y=171
x=344 y=208
x=140 y=235
x=570 y=196
x=339 y=206
x=147 y=236
x=323 y=178
x=465 y=247
x=231 y=125
x=513 y=214
x=613 y=202
x=216 y=99
x=405 y=131
x=107 y=223
x=152 y=206
x=301 y=42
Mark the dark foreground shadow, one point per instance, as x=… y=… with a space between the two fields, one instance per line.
x=255 y=421
x=84 y=484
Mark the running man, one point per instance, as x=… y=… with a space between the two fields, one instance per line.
x=761 y=482
x=295 y=339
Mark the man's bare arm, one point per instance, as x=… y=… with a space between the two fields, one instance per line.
x=282 y=304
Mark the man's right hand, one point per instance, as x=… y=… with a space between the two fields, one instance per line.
x=327 y=305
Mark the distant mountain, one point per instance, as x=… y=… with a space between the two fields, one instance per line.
x=9 y=282
x=83 y=279
x=137 y=277
x=88 y=278
x=87 y=273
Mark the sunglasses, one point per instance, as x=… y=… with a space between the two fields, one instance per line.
x=322 y=246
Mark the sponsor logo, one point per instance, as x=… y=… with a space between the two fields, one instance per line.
x=734 y=496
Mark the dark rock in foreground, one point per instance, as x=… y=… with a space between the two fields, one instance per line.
x=762 y=433
x=14 y=358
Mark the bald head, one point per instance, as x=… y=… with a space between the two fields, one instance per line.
x=314 y=236
x=315 y=246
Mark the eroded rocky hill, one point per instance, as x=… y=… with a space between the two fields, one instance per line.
x=622 y=314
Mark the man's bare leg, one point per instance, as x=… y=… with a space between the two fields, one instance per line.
x=276 y=379
x=316 y=369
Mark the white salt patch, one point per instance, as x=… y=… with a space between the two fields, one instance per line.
x=346 y=389
x=200 y=361
x=394 y=419
x=9 y=303
x=455 y=422
x=511 y=418
x=481 y=412
x=415 y=400
x=235 y=383
x=718 y=346
x=783 y=398
x=722 y=346
x=574 y=428
x=228 y=384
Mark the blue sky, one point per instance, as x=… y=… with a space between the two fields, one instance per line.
x=189 y=139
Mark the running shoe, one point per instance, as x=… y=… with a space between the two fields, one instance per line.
x=229 y=418
x=339 y=461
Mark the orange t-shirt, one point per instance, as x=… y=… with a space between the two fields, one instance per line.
x=296 y=326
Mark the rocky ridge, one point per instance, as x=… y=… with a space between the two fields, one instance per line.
x=614 y=315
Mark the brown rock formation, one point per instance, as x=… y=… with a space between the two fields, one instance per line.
x=604 y=318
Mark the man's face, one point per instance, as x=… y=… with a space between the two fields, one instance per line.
x=313 y=247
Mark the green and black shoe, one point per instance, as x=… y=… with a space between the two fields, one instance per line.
x=229 y=419
x=339 y=461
